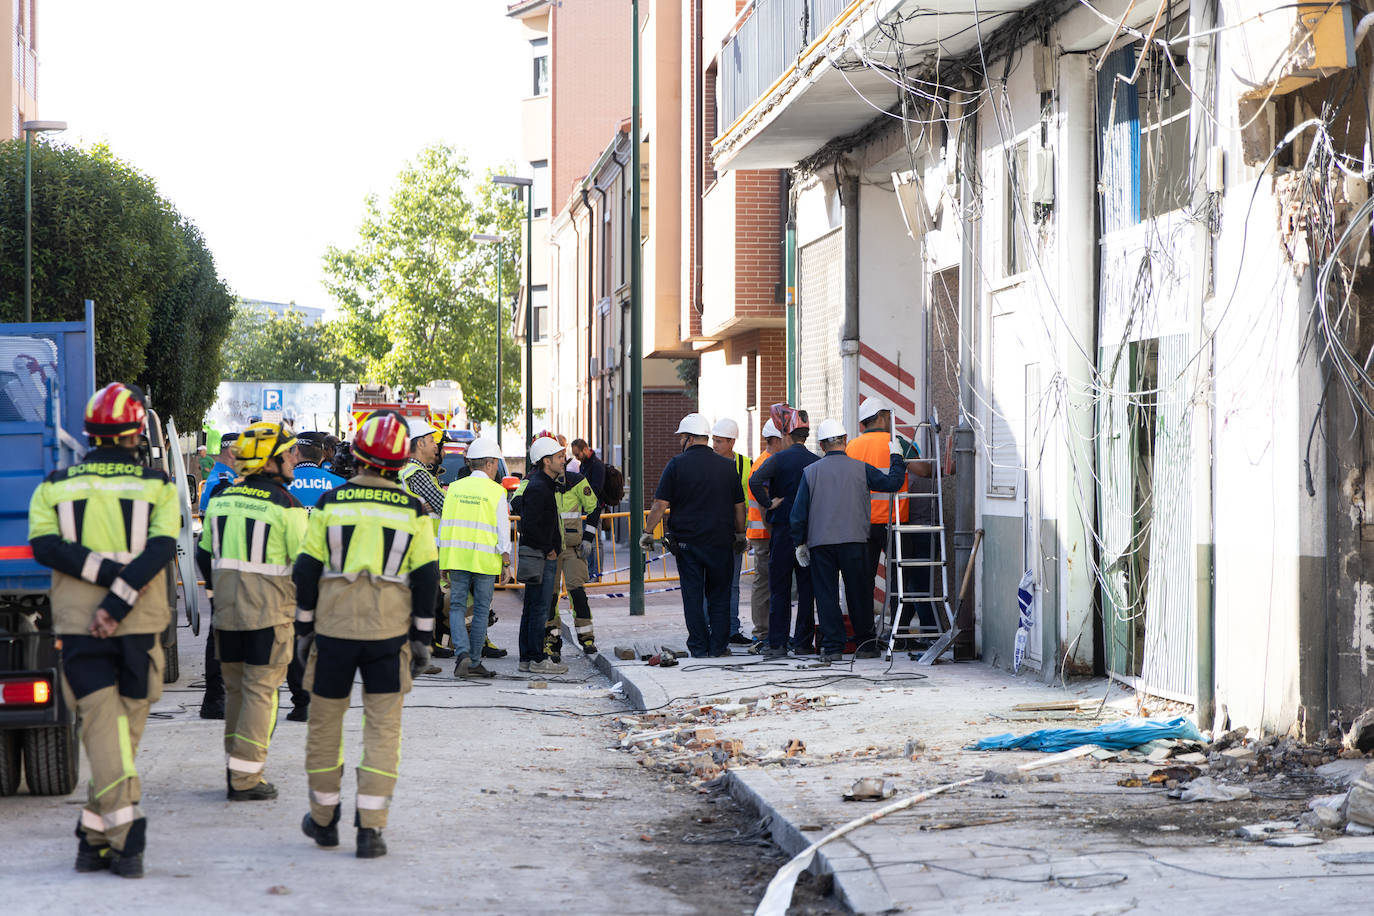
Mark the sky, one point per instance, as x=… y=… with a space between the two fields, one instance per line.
x=268 y=123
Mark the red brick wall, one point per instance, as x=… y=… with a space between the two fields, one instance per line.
x=758 y=243
x=663 y=410
x=590 y=60
x=772 y=373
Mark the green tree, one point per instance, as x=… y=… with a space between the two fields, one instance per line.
x=282 y=348
x=416 y=292
x=102 y=232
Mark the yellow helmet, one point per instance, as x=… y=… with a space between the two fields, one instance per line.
x=259 y=443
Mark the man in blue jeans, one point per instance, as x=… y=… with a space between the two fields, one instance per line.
x=707 y=527
x=474 y=547
x=774 y=486
x=541 y=538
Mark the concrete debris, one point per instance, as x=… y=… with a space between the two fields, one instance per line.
x=1341 y=773
x=1321 y=819
x=1293 y=839
x=871 y=788
x=1205 y=788
x=625 y=653
x=1359 y=805
x=1354 y=829
x=913 y=748
x=1265 y=829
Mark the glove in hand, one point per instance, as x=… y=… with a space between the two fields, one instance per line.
x=419 y=656
x=803 y=555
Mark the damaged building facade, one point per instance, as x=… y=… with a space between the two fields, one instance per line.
x=1122 y=248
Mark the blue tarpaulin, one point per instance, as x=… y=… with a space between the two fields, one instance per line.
x=1114 y=736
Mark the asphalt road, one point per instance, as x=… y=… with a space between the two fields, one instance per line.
x=509 y=801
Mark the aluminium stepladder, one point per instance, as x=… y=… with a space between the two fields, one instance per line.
x=917 y=574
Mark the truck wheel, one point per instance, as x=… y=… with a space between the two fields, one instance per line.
x=11 y=743
x=50 y=759
x=171 y=667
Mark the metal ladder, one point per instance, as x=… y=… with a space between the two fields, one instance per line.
x=905 y=573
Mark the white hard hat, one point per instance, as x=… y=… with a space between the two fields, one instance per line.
x=830 y=429
x=483 y=448
x=419 y=427
x=725 y=428
x=770 y=430
x=871 y=407
x=543 y=447
x=694 y=424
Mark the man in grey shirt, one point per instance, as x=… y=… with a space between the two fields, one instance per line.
x=830 y=522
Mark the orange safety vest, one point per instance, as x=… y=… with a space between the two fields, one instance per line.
x=756 y=530
x=875 y=449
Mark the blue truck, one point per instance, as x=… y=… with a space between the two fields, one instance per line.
x=47 y=374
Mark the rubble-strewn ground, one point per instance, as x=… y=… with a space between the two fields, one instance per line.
x=498 y=810
x=1085 y=835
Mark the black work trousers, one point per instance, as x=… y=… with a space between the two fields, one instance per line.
x=828 y=563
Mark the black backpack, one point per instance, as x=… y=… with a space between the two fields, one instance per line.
x=613 y=487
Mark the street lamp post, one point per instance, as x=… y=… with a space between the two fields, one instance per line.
x=30 y=128
x=526 y=185
x=487 y=239
x=636 y=335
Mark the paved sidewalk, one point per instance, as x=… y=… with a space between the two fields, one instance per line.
x=1068 y=840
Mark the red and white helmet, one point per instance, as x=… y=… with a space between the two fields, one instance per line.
x=382 y=441
x=115 y=410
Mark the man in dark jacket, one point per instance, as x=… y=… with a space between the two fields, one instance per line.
x=541 y=539
x=706 y=523
x=774 y=486
x=593 y=469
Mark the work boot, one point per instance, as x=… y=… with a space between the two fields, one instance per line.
x=739 y=639
x=757 y=646
x=831 y=658
x=431 y=669
x=92 y=858
x=547 y=666
x=370 y=843
x=553 y=645
x=299 y=714
x=588 y=645
x=774 y=652
x=212 y=708
x=480 y=670
x=463 y=667
x=490 y=651
x=263 y=791
x=327 y=837
x=126 y=866
x=440 y=652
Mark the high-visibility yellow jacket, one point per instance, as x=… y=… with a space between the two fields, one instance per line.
x=107 y=528
x=252 y=534
x=469 y=533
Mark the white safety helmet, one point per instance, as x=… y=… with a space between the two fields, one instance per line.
x=770 y=430
x=871 y=407
x=479 y=449
x=694 y=424
x=830 y=429
x=725 y=428
x=419 y=428
x=543 y=447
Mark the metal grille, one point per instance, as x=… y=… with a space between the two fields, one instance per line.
x=820 y=318
x=766 y=44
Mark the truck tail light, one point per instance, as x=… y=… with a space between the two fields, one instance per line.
x=26 y=692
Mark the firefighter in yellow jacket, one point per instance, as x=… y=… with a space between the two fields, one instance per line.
x=253 y=531
x=107 y=527
x=366 y=583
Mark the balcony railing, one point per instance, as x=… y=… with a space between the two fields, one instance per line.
x=771 y=37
